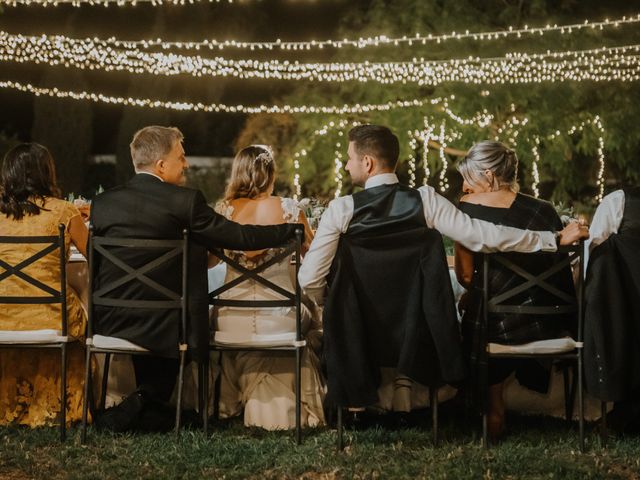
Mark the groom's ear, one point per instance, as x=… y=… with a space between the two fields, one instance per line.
x=368 y=163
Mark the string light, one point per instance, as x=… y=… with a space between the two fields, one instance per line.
x=297 y=188
x=444 y=184
x=214 y=107
x=443 y=138
x=426 y=136
x=512 y=127
x=534 y=166
x=103 y=3
x=600 y=64
x=338 y=168
x=600 y=180
x=359 y=43
x=595 y=122
x=413 y=145
x=482 y=120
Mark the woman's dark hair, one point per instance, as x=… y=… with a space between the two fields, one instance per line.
x=27 y=175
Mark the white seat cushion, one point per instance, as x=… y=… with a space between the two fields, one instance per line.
x=243 y=340
x=114 y=343
x=32 y=336
x=553 y=345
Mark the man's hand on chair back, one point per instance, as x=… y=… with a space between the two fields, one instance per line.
x=572 y=233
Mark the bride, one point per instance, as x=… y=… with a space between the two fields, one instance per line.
x=262 y=383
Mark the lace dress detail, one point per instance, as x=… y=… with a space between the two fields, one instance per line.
x=261 y=383
x=30 y=380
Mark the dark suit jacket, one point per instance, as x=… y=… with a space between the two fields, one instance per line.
x=612 y=312
x=390 y=301
x=146 y=207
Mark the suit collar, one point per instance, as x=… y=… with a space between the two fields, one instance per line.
x=381 y=179
x=145 y=178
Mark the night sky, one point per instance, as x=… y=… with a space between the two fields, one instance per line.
x=251 y=20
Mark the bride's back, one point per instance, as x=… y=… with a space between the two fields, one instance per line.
x=258 y=211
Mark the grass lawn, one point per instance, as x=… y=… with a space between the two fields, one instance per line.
x=535 y=448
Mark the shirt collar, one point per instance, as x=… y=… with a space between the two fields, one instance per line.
x=149 y=173
x=381 y=179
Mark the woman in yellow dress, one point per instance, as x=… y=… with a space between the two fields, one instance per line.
x=29 y=206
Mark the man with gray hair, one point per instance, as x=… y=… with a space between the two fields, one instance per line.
x=154 y=204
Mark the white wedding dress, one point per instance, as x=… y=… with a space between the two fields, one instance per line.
x=263 y=382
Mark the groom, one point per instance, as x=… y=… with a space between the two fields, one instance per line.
x=385 y=207
x=155 y=204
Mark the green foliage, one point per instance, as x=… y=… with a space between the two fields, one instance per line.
x=568 y=164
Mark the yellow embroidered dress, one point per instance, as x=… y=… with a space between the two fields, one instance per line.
x=30 y=379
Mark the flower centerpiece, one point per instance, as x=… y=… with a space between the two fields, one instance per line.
x=313 y=210
x=566 y=213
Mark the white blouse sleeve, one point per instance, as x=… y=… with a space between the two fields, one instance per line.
x=607 y=218
x=478 y=235
x=317 y=262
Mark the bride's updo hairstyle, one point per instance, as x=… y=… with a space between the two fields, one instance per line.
x=252 y=173
x=495 y=157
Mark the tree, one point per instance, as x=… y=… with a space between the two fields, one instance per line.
x=568 y=164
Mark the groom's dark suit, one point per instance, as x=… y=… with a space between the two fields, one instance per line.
x=146 y=207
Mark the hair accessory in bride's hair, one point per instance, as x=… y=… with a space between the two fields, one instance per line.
x=266 y=157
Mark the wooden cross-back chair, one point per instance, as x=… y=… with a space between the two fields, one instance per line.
x=57 y=339
x=100 y=249
x=295 y=345
x=564 y=349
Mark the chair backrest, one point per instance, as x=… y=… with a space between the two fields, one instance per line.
x=49 y=244
x=158 y=253
x=559 y=302
x=291 y=299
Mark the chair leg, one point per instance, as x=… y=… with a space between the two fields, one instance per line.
x=568 y=400
x=298 y=394
x=63 y=392
x=85 y=398
x=200 y=385
x=180 y=389
x=433 y=402
x=485 y=431
x=340 y=444
x=216 y=389
x=205 y=395
x=603 y=423
x=579 y=374
x=105 y=382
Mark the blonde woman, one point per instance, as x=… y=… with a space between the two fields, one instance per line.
x=491 y=193
x=262 y=383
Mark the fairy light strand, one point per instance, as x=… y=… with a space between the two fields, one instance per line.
x=444 y=184
x=338 y=169
x=297 y=188
x=103 y=3
x=599 y=64
x=443 y=138
x=212 y=107
x=359 y=43
x=413 y=146
x=596 y=123
x=534 y=166
x=426 y=136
